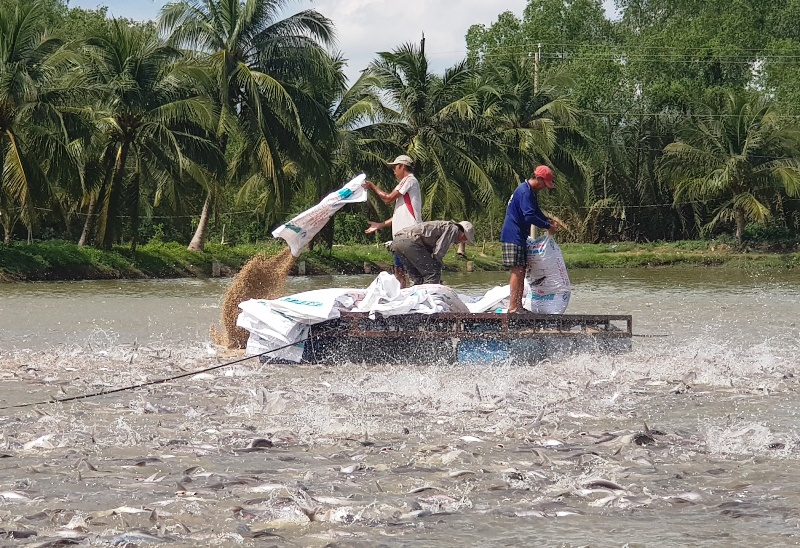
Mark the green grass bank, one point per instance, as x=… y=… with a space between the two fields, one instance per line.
x=58 y=260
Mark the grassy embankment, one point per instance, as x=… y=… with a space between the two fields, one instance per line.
x=56 y=260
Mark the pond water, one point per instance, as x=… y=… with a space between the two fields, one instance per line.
x=690 y=439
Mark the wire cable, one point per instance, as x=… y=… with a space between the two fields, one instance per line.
x=148 y=383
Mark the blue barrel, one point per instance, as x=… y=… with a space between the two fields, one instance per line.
x=482 y=351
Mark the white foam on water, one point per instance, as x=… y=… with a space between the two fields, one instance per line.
x=730 y=437
x=738 y=439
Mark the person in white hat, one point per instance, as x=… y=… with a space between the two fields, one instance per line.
x=422 y=247
x=407 y=199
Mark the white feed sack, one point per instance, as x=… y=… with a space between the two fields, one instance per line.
x=547 y=283
x=300 y=230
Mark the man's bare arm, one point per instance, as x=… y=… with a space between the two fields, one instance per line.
x=375 y=227
x=386 y=197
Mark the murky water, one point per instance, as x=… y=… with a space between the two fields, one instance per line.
x=691 y=439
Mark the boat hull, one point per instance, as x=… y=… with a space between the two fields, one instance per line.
x=465 y=338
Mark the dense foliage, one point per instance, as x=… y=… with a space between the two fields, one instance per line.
x=677 y=120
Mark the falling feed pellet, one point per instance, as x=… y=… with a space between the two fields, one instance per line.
x=260 y=278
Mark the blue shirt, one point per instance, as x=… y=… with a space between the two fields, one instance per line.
x=522 y=212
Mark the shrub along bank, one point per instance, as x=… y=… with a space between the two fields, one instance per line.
x=57 y=260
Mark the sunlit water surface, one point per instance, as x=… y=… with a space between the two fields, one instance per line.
x=433 y=455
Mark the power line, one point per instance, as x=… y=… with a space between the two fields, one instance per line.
x=148 y=217
x=584 y=51
x=642 y=206
x=669 y=59
x=657 y=48
x=623 y=58
x=625 y=48
x=680 y=116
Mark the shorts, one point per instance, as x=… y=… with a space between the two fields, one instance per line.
x=398 y=263
x=514 y=255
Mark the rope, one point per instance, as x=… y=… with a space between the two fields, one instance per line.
x=148 y=383
x=183 y=375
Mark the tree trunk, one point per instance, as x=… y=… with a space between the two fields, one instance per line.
x=111 y=198
x=135 y=214
x=198 y=242
x=199 y=239
x=8 y=221
x=89 y=224
x=738 y=214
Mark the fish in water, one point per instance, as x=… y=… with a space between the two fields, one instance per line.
x=139 y=537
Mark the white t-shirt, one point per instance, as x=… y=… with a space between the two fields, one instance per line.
x=408 y=207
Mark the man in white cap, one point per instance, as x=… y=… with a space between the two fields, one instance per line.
x=522 y=213
x=407 y=199
x=422 y=247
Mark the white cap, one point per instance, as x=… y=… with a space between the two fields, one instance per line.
x=402 y=159
x=469 y=232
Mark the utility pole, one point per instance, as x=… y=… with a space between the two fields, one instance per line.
x=537 y=56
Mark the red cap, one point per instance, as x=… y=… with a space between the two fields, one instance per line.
x=546 y=174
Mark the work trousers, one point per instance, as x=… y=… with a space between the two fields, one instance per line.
x=418 y=261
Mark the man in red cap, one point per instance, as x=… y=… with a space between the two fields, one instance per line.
x=522 y=212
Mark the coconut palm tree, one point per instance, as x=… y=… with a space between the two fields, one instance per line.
x=734 y=154
x=359 y=143
x=32 y=137
x=153 y=122
x=441 y=124
x=534 y=119
x=264 y=71
x=537 y=121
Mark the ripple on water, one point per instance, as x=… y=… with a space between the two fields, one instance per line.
x=690 y=439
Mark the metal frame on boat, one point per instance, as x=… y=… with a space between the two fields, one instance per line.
x=464 y=337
